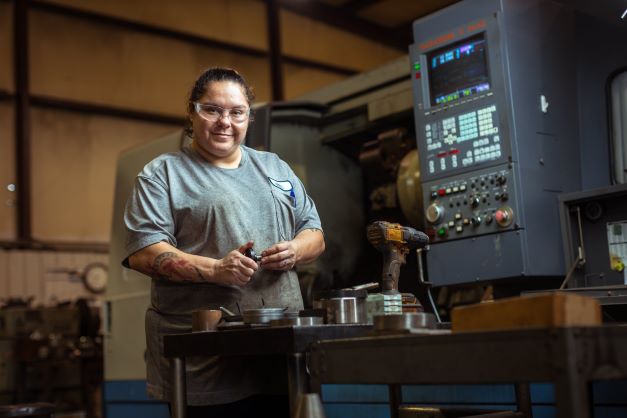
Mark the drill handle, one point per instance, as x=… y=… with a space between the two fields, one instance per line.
x=392 y=262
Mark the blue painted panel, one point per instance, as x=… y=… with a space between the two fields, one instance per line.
x=610 y=392
x=495 y=394
x=357 y=410
x=355 y=393
x=503 y=407
x=610 y=412
x=128 y=399
x=125 y=390
x=347 y=410
x=544 y=411
x=140 y=410
x=542 y=393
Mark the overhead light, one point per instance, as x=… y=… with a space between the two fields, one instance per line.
x=624 y=14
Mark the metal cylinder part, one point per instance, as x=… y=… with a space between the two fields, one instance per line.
x=205 y=319
x=348 y=310
x=404 y=321
x=264 y=315
x=298 y=321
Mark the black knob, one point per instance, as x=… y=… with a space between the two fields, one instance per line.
x=476 y=221
x=504 y=196
x=250 y=253
x=474 y=201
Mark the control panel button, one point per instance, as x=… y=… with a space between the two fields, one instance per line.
x=504 y=216
x=434 y=213
x=458 y=216
x=442 y=232
x=488 y=219
x=474 y=201
x=476 y=221
x=451 y=224
x=459 y=228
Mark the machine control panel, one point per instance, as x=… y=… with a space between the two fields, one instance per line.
x=492 y=156
x=464 y=140
x=478 y=203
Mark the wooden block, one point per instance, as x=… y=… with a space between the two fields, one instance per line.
x=545 y=310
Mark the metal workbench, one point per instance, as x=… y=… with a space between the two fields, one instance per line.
x=571 y=358
x=292 y=341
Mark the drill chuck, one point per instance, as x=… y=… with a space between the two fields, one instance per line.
x=381 y=234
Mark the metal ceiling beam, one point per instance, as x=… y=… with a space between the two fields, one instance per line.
x=55 y=103
x=274 y=50
x=404 y=31
x=355 y=6
x=336 y=16
x=5 y=95
x=181 y=36
x=22 y=120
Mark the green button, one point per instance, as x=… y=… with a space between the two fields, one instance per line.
x=416 y=66
x=442 y=231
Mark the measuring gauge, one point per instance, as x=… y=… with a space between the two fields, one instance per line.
x=95 y=277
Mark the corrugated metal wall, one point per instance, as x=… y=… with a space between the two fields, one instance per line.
x=44 y=275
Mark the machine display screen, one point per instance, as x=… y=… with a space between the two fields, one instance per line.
x=457 y=71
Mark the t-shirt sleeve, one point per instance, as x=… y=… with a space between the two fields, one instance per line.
x=148 y=216
x=305 y=211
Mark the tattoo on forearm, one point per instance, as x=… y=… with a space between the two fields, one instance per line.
x=200 y=276
x=160 y=260
x=170 y=266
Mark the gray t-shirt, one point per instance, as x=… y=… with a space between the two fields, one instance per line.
x=201 y=209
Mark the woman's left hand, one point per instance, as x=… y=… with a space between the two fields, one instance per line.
x=281 y=256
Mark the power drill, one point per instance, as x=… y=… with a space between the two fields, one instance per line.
x=394 y=241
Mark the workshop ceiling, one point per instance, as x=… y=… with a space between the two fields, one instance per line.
x=390 y=21
x=386 y=21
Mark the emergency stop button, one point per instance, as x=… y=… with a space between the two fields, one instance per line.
x=504 y=216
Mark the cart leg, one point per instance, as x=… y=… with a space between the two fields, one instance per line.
x=523 y=399
x=296 y=378
x=179 y=399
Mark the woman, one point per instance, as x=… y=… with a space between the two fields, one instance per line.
x=190 y=218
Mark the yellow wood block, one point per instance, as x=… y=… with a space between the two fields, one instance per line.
x=544 y=310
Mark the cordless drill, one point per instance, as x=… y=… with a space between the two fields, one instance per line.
x=394 y=241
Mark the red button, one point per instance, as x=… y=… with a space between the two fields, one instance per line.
x=418 y=74
x=500 y=216
x=442 y=192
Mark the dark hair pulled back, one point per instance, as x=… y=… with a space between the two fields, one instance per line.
x=212 y=75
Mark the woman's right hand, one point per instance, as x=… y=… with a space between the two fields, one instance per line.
x=235 y=268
